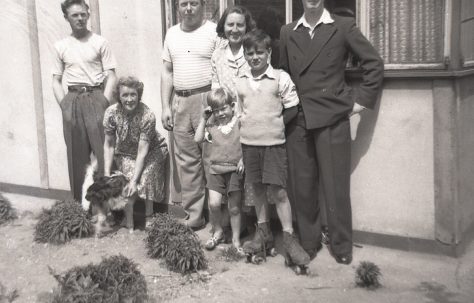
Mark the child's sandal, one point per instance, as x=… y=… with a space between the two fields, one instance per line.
x=240 y=251
x=148 y=222
x=214 y=241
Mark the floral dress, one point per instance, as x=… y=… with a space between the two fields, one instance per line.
x=128 y=131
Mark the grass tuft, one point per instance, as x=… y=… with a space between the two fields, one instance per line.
x=176 y=243
x=64 y=221
x=368 y=275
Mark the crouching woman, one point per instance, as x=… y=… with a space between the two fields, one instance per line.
x=132 y=142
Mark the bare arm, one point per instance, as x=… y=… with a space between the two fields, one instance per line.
x=166 y=91
x=143 y=148
x=109 y=150
x=201 y=129
x=110 y=84
x=58 y=88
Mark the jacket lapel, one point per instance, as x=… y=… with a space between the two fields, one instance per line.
x=322 y=35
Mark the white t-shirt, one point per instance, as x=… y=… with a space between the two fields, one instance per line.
x=190 y=53
x=83 y=61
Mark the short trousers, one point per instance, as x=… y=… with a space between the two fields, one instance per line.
x=265 y=164
x=225 y=183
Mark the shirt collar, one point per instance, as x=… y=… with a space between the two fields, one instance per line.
x=269 y=73
x=230 y=56
x=325 y=18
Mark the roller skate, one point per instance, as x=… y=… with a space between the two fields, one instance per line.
x=295 y=256
x=260 y=246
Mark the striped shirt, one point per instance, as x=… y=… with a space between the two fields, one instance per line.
x=190 y=53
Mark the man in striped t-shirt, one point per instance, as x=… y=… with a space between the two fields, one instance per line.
x=187 y=70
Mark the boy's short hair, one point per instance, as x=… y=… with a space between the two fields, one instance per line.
x=68 y=3
x=219 y=97
x=256 y=37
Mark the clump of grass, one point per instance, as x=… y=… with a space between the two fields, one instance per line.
x=115 y=279
x=7 y=212
x=367 y=275
x=176 y=243
x=231 y=254
x=64 y=221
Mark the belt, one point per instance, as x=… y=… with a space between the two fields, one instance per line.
x=84 y=88
x=190 y=92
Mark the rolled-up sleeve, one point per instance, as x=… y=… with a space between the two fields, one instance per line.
x=287 y=91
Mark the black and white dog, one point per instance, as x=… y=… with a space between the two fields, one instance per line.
x=105 y=194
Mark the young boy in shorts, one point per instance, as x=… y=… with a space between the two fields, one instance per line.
x=226 y=164
x=263 y=94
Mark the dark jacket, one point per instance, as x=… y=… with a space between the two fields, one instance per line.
x=317 y=67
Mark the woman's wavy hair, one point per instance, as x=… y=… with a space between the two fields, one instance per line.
x=130 y=82
x=249 y=22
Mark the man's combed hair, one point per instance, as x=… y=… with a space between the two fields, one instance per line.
x=256 y=37
x=68 y=3
x=219 y=97
x=130 y=82
x=249 y=22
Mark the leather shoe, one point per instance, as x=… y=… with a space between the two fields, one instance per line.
x=346 y=259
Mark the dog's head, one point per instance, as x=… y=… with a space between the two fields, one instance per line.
x=106 y=187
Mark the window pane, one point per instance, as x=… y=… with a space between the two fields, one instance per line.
x=407 y=31
x=270 y=16
x=467 y=31
x=264 y=9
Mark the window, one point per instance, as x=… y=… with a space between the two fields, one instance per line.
x=408 y=31
x=467 y=30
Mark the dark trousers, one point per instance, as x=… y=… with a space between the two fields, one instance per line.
x=320 y=160
x=83 y=132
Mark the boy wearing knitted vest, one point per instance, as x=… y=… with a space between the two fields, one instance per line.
x=226 y=165
x=263 y=94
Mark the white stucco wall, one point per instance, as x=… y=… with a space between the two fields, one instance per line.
x=18 y=139
x=392 y=186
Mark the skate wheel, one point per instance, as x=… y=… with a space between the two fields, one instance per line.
x=249 y=259
x=298 y=270
x=256 y=260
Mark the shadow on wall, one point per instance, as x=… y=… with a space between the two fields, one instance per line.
x=364 y=133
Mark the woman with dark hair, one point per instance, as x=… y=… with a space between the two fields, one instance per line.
x=228 y=60
x=132 y=142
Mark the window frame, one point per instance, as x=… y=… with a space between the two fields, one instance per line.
x=363 y=15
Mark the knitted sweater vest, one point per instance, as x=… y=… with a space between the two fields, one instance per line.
x=226 y=150
x=261 y=123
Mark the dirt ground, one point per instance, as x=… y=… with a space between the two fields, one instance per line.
x=407 y=277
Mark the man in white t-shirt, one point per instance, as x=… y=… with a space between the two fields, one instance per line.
x=84 y=62
x=187 y=55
